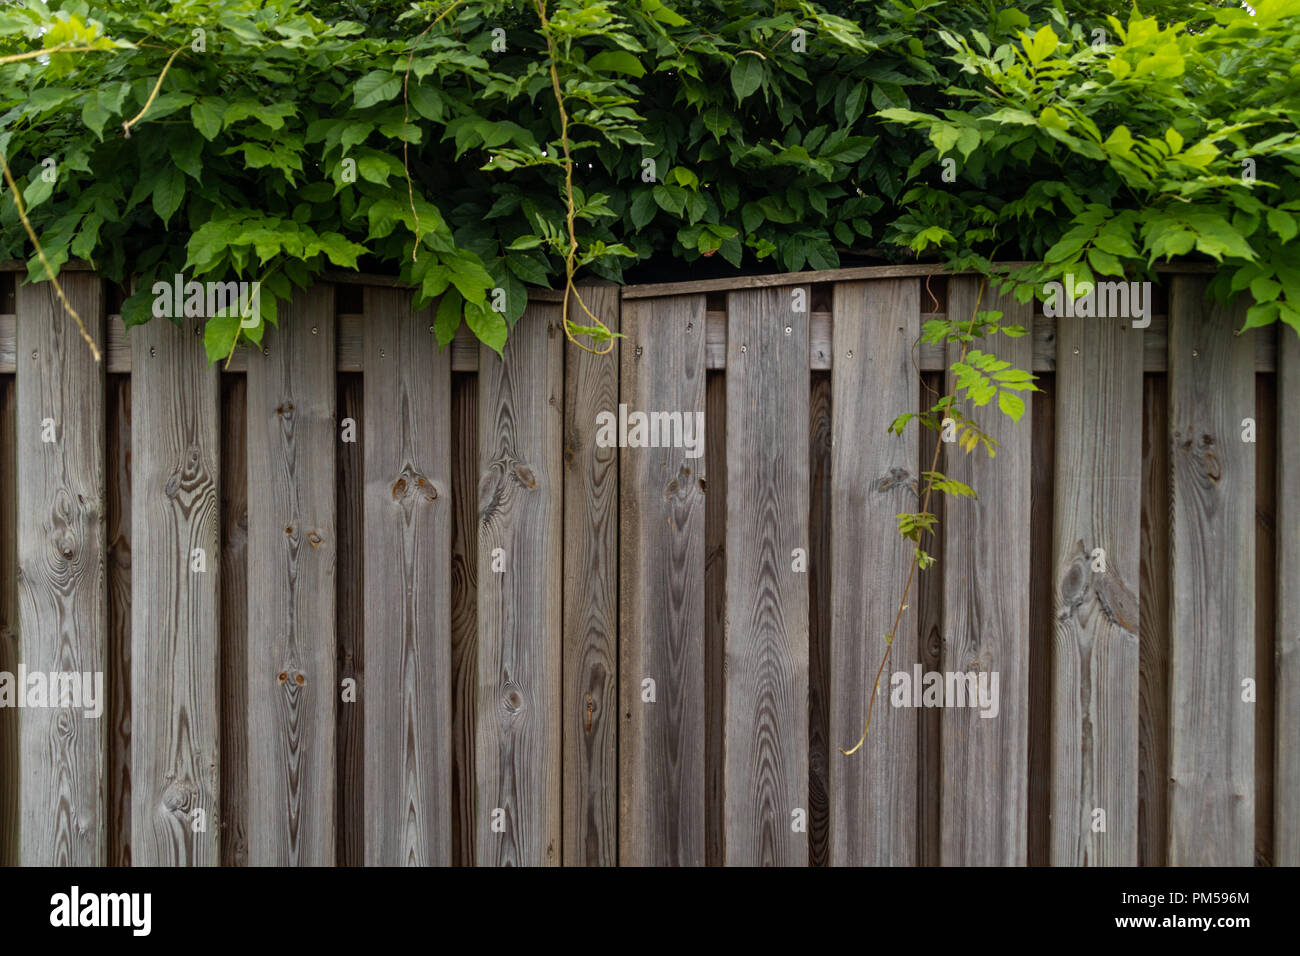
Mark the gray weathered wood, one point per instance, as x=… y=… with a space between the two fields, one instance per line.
x=591 y=599
x=1097 y=531
x=1286 y=761
x=1265 y=598
x=1212 y=615
x=661 y=744
x=464 y=611
x=767 y=601
x=62 y=584
x=1153 y=676
x=873 y=478
x=234 y=621
x=520 y=500
x=986 y=619
x=1042 y=608
x=350 y=771
x=929 y=620
x=9 y=752
x=407 y=453
x=715 y=617
x=175 y=597
x=118 y=681
x=821 y=521
x=291 y=570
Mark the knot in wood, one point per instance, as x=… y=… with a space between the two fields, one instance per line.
x=179 y=796
x=524 y=475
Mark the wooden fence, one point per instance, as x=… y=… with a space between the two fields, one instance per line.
x=359 y=601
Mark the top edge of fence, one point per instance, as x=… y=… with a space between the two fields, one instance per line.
x=652 y=290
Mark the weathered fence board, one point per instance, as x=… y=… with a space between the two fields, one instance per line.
x=986 y=620
x=62 y=585
x=591 y=598
x=874 y=805
x=175 y=597
x=715 y=617
x=464 y=611
x=407 y=592
x=766 y=780
x=820 y=678
x=1286 y=764
x=118 y=680
x=9 y=744
x=520 y=641
x=1153 y=664
x=1212 y=589
x=234 y=622
x=291 y=564
x=1097 y=527
x=662 y=570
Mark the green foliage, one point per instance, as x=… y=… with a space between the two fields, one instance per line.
x=777 y=134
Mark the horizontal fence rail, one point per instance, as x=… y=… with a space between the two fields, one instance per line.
x=354 y=599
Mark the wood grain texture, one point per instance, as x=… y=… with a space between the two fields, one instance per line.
x=350 y=773
x=986 y=621
x=9 y=749
x=1265 y=598
x=407 y=456
x=1097 y=531
x=929 y=618
x=118 y=680
x=62 y=576
x=234 y=621
x=591 y=599
x=464 y=611
x=873 y=478
x=291 y=570
x=175 y=597
x=661 y=743
x=1286 y=762
x=520 y=640
x=1042 y=608
x=821 y=520
x=715 y=617
x=1153 y=612
x=767 y=602
x=1212 y=586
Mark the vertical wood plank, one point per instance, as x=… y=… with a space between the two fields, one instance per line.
x=1153 y=678
x=820 y=690
x=1265 y=598
x=767 y=601
x=10 y=767
x=62 y=556
x=1286 y=687
x=118 y=680
x=873 y=478
x=715 y=616
x=1097 y=531
x=591 y=599
x=291 y=568
x=175 y=596
x=929 y=617
x=984 y=810
x=1042 y=607
x=407 y=585
x=520 y=502
x=350 y=805
x=234 y=620
x=1212 y=582
x=662 y=786
x=464 y=610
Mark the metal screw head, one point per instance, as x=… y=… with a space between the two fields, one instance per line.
x=431 y=330
x=1076 y=350
x=690 y=327
x=266 y=351
x=788 y=330
x=744 y=349
x=850 y=355
x=638 y=350
x=313 y=330
x=34 y=355
x=1195 y=352
x=152 y=351
x=382 y=353
x=199 y=331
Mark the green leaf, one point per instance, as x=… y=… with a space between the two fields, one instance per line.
x=619 y=61
x=447 y=320
x=219 y=336
x=378 y=86
x=746 y=75
x=1042 y=45
x=206 y=116
x=488 y=326
x=1011 y=404
x=168 y=193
